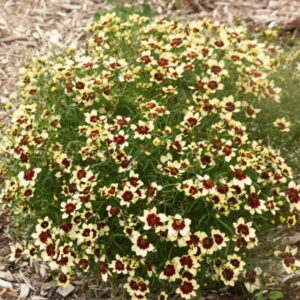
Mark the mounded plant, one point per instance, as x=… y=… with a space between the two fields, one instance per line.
x=130 y=159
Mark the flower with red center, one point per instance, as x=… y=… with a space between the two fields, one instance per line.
x=191 y=119
x=137 y=287
x=251 y=112
x=63 y=279
x=288 y=259
x=254 y=203
x=293 y=195
x=129 y=195
x=240 y=178
x=178 y=145
x=145 y=57
x=187 y=263
x=216 y=68
x=244 y=229
x=152 y=219
x=219 y=238
x=251 y=279
x=236 y=262
x=228 y=275
x=65 y=162
x=208 y=186
x=120 y=139
x=115 y=64
x=119 y=265
x=16 y=252
x=28 y=176
x=187 y=289
x=178 y=227
x=152 y=191
x=70 y=207
x=142 y=130
x=122 y=121
x=162 y=296
x=282 y=124
x=170 y=271
x=170 y=167
x=141 y=245
x=103 y=267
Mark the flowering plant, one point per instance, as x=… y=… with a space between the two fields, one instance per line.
x=130 y=159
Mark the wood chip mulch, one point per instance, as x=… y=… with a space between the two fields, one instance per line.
x=34 y=27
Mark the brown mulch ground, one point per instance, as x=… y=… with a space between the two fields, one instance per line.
x=33 y=27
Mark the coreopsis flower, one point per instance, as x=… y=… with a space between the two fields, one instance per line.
x=272 y=205
x=31 y=252
x=216 y=68
x=103 y=268
x=119 y=139
x=118 y=265
x=65 y=162
x=69 y=207
x=43 y=224
x=188 y=263
x=16 y=252
x=207 y=185
x=191 y=119
x=115 y=64
x=178 y=145
x=254 y=203
x=240 y=178
x=252 y=280
x=228 y=275
x=142 y=130
x=236 y=262
x=291 y=221
x=229 y=106
x=228 y=151
x=137 y=287
x=170 y=271
x=28 y=176
x=187 y=289
x=87 y=234
x=250 y=111
x=170 y=167
x=178 y=227
x=113 y=211
x=170 y=90
x=152 y=219
x=141 y=246
x=129 y=195
x=207 y=244
x=145 y=57
x=288 y=259
x=282 y=124
x=243 y=229
x=293 y=195
x=152 y=191
x=63 y=279
x=220 y=239
x=42 y=238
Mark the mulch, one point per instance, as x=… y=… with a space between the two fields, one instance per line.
x=34 y=27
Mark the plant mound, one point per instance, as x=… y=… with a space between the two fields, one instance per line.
x=129 y=159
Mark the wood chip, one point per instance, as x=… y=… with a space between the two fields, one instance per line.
x=48 y=285
x=5 y=284
x=24 y=291
x=65 y=291
x=6 y=276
